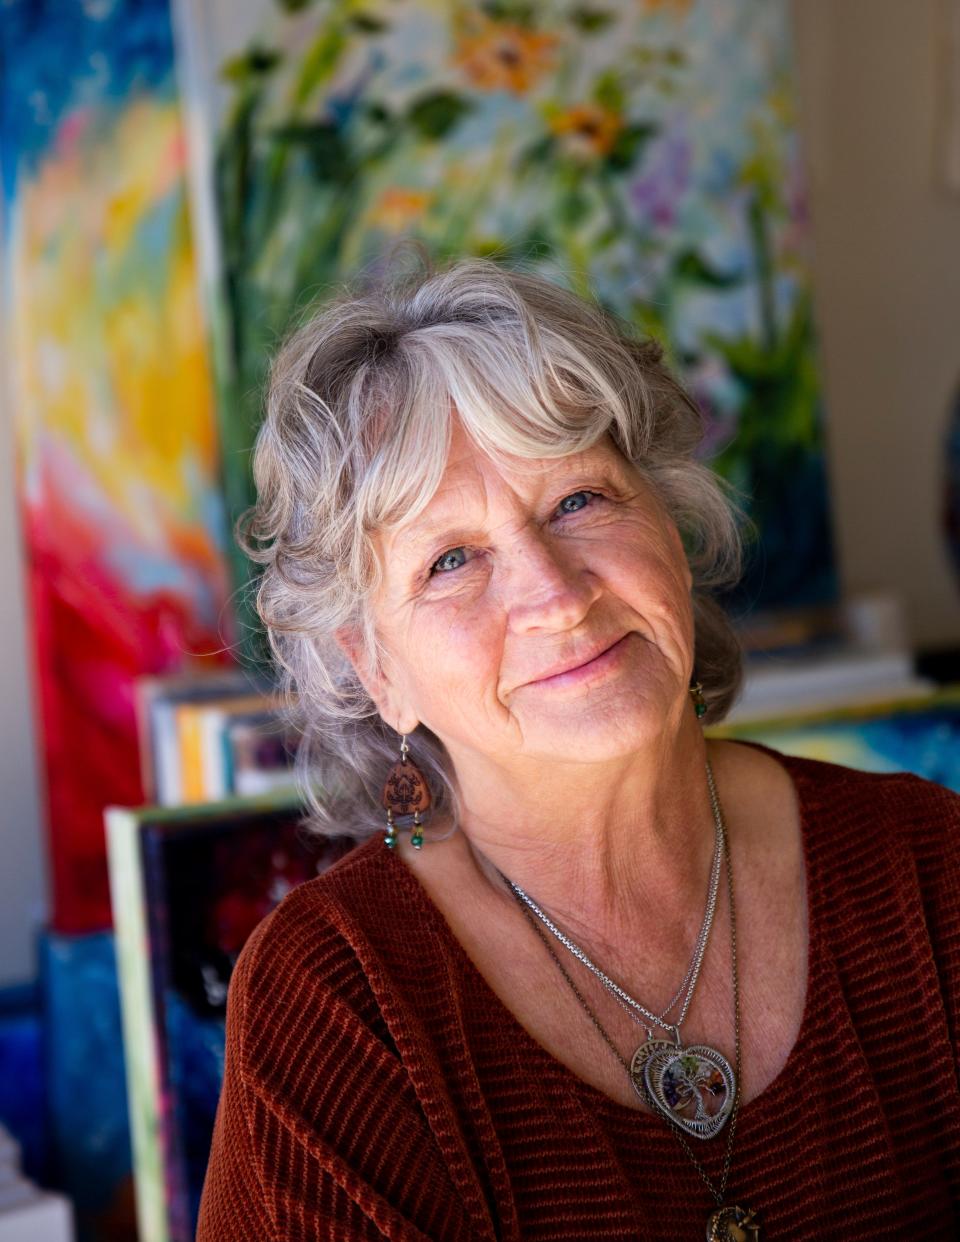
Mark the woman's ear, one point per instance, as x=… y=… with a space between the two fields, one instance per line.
x=376 y=683
x=350 y=642
x=681 y=552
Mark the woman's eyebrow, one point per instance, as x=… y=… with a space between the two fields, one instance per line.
x=453 y=525
x=455 y=522
x=440 y=531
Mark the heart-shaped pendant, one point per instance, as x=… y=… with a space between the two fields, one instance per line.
x=692 y=1086
x=639 y=1062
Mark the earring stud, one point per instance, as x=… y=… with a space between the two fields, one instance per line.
x=699 y=702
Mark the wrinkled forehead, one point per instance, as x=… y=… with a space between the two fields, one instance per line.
x=466 y=457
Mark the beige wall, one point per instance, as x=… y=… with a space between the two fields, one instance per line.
x=887 y=279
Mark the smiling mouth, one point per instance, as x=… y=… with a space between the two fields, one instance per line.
x=607 y=659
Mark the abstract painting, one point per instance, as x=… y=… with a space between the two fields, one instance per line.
x=117 y=450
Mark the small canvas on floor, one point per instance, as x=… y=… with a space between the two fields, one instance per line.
x=189 y=884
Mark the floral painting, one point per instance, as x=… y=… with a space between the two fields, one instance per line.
x=117 y=451
x=645 y=151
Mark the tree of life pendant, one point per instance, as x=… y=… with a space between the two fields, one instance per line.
x=732 y=1224
x=693 y=1086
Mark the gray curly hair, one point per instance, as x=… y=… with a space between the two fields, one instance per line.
x=355 y=438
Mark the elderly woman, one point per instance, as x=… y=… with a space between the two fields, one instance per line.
x=587 y=974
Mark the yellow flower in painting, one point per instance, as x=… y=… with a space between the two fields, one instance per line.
x=397 y=208
x=782 y=105
x=501 y=56
x=587 y=129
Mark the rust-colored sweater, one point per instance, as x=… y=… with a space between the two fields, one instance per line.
x=376 y=1086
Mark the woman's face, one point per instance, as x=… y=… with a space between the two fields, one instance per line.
x=508 y=577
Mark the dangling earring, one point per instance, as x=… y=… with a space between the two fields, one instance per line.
x=699 y=702
x=405 y=790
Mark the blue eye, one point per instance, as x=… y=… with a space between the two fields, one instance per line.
x=570 y=497
x=441 y=559
x=434 y=571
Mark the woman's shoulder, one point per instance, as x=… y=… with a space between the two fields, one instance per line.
x=332 y=902
x=856 y=819
x=914 y=801
x=317 y=941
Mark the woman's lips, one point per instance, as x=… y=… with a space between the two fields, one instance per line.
x=607 y=660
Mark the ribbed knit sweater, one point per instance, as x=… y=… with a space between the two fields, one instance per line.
x=376 y=1086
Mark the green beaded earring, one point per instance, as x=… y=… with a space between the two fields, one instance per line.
x=699 y=702
x=405 y=790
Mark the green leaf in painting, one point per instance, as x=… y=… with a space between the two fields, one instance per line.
x=590 y=20
x=572 y=208
x=367 y=23
x=521 y=12
x=435 y=114
x=250 y=66
x=608 y=91
x=323 y=145
x=628 y=143
x=690 y=265
x=537 y=153
x=319 y=61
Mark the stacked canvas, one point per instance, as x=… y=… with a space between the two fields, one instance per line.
x=836 y=656
x=188 y=886
x=208 y=737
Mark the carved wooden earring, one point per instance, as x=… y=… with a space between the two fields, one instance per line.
x=405 y=790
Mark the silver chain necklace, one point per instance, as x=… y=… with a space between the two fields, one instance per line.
x=671 y=1078
x=728 y=1221
x=693 y=970
x=694 y=1084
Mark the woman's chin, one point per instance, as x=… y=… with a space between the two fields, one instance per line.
x=596 y=731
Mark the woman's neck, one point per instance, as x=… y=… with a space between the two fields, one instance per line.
x=614 y=862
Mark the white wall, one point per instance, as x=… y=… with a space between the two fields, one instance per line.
x=22 y=849
x=887 y=291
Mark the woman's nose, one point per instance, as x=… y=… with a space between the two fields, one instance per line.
x=547 y=585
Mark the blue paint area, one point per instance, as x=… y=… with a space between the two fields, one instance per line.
x=922 y=740
x=55 y=57
x=925 y=743
x=85 y=1066
x=23 y=1088
x=195 y=1053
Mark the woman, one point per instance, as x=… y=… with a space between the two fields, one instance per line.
x=599 y=977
